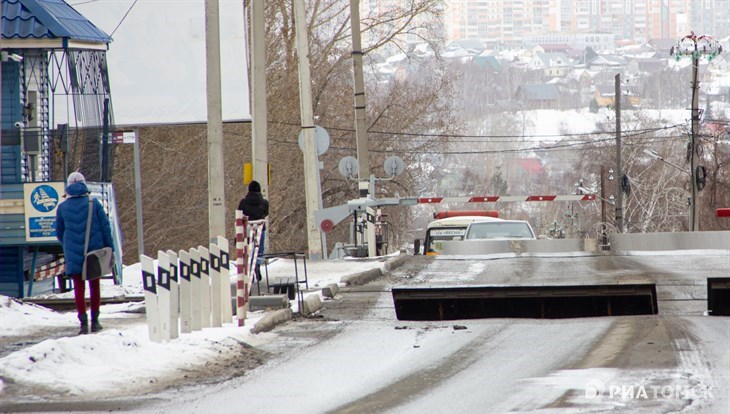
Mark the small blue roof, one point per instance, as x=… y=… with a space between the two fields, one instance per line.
x=47 y=19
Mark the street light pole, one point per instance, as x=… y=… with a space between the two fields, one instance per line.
x=695 y=46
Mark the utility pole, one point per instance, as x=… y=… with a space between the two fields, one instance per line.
x=360 y=127
x=619 y=173
x=311 y=163
x=138 y=194
x=259 y=117
x=694 y=216
x=604 y=236
x=216 y=195
x=695 y=46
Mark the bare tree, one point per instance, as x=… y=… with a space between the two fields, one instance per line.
x=655 y=192
x=406 y=116
x=175 y=186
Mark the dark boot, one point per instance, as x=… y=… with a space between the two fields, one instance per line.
x=84 y=327
x=95 y=325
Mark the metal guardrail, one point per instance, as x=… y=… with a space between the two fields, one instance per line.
x=288 y=288
x=105 y=193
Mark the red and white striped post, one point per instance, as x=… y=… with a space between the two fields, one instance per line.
x=241 y=260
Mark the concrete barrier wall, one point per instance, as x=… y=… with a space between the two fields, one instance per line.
x=620 y=243
x=475 y=247
x=711 y=240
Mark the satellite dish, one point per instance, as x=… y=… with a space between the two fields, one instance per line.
x=349 y=166
x=321 y=140
x=393 y=166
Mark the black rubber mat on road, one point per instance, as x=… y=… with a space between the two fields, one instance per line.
x=542 y=302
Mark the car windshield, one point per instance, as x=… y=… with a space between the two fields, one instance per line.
x=500 y=230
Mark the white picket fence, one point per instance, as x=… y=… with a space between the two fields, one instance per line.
x=190 y=290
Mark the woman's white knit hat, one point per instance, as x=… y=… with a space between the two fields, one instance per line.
x=75 y=177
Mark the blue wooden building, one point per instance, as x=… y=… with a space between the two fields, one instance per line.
x=55 y=117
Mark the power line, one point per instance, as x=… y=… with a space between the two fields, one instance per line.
x=118 y=24
x=436 y=135
x=123 y=17
x=582 y=145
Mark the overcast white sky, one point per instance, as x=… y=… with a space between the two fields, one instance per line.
x=157 y=60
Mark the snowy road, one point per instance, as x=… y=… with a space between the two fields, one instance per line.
x=359 y=358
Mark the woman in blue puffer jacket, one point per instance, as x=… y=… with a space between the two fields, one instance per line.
x=71 y=219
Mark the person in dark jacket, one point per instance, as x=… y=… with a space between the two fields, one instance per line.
x=71 y=219
x=256 y=207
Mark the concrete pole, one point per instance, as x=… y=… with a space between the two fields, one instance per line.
x=259 y=117
x=311 y=164
x=604 y=237
x=694 y=216
x=1 y=117
x=360 y=126
x=138 y=195
x=216 y=195
x=619 y=172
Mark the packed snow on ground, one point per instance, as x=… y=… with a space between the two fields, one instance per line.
x=119 y=358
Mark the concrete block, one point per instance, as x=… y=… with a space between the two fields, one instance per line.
x=362 y=277
x=311 y=304
x=330 y=291
x=396 y=262
x=271 y=320
x=257 y=303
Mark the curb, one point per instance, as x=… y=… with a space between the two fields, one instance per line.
x=313 y=303
x=362 y=277
x=271 y=320
x=396 y=262
x=372 y=274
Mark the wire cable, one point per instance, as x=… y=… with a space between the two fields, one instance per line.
x=123 y=18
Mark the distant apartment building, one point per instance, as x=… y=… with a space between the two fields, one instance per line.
x=496 y=20
x=516 y=21
x=600 y=42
